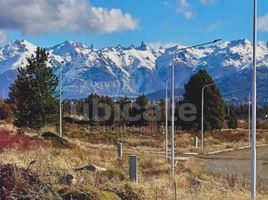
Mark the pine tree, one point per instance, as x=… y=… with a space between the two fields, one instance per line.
x=162 y=107
x=91 y=100
x=232 y=120
x=99 y=102
x=124 y=103
x=34 y=91
x=143 y=103
x=213 y=103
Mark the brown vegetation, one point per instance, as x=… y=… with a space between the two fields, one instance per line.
x=155 y=182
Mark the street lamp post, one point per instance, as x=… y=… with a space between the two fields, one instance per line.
x=202 y=115
x=3 y=90
x=61 y=66
x=173 y=99
x=249 y=116
x=3 y=95
x=172 y=117
x=166 y=142
x=254 y=102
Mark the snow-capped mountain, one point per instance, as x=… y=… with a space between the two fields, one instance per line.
x=119 y=71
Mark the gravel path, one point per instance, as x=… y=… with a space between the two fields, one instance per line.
x=238 y=162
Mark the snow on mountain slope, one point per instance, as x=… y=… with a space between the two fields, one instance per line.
x=111 y=71
x=119 y=71
x=14 y=55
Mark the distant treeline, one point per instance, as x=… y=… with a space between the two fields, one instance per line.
x=142 y=112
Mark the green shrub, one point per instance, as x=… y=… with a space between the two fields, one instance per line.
x=114 y=175
x=128 y=192
x=68 y=194
x=56 y=141
x=263 y=125
x=109 y=196
x=85 y=193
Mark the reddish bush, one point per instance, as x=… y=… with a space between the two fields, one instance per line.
x=230 y=136
x=15 y=141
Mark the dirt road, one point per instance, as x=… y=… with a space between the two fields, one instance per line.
x=238 y=162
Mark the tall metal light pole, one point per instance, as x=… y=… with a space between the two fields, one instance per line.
x=202 y=115
x=166 y=142
x=3 y=91
x=172 y=117
x=173 y=100
x=61 y=66
x=3 y=95
x=249 y=116
x=254 y=102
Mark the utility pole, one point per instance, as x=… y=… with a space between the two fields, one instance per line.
x=3 y=95
x=249 y=116
x=254 y=102
x=173 y=118
x=61 y=66
x=166 y=141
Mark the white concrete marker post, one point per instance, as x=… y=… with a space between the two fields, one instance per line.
x=133 y=168
x=196 y=141
x=120 y=150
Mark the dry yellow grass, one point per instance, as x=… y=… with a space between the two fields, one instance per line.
x=154 y=177
x=155 y=181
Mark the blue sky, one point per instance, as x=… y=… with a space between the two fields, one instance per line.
x=155 y=22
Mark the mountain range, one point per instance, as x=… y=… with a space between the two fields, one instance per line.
x=130 y=71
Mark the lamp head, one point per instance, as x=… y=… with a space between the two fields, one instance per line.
x=217 y=40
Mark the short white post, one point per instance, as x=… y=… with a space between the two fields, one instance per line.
x=196 y=141
x=133 y=168
x=120 y=150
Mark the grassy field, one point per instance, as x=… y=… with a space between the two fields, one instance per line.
x=52 y=160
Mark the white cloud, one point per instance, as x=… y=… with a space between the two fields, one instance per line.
x=3 y=37
x=213 y=26
x=157 y=45
x=185 y=8
x=263 y=23
x=206 y=2
x=49 y=16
